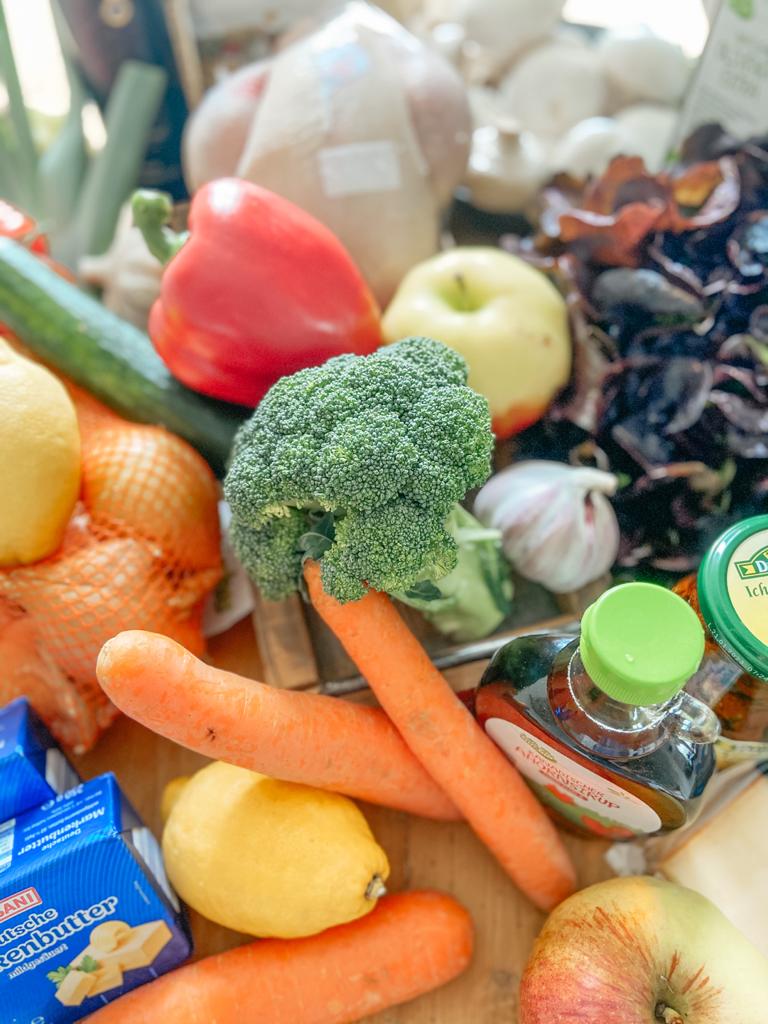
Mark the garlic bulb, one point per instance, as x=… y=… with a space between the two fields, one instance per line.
x=127 y=273
x=558 y=527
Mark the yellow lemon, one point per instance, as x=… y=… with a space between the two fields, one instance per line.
x=270 y=858
x=40 y=456
x=171 y=794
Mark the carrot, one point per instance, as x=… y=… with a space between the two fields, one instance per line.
x=441 y=732
x=410 y=944
x=298 y=737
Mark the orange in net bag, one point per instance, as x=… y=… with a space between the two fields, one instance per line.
x=141 y=551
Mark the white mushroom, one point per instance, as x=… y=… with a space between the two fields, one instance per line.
x=506 y=168
x=496 y=32
x=553 y=88
x=589 y=146
x=641 y=66
x=649 y=129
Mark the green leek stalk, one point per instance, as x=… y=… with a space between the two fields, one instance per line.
x=130 y=114
x=64 y=162
x=25 y=177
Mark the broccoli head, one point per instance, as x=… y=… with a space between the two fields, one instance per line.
x=379 y=448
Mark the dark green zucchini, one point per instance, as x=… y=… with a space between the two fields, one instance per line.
x=112 y=359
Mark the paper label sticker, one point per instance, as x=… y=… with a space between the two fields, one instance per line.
x=359 y=168
x=747 y=583
x=581 y=796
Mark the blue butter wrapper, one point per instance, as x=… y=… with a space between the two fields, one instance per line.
x=32 y=768
x=86 y=910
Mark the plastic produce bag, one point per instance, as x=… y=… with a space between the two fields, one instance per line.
x=357 y=122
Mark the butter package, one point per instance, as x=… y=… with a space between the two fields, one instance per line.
x=86 y=910
x=32 y=768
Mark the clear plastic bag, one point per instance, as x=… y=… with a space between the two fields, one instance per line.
x=358 y=123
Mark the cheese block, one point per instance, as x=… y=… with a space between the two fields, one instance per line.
x=107 y=977
x=140 y=947
x=726 y=860
x=75 y=988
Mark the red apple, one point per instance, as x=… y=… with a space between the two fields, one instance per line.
x=642 y=951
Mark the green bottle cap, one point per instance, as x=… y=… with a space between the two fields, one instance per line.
x=640 y=643
x=733 y=593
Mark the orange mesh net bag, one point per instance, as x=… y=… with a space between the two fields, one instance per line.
x=141 y=551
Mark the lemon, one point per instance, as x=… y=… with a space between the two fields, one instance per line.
x=40 y=456
x=270 y=858
x=171 y=794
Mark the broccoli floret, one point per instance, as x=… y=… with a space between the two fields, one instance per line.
x=386 y=443
x=274 y=548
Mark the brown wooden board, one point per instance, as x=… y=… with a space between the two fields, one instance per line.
x=423 y=854
x=299 y=652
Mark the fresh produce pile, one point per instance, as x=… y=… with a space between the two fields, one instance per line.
x=303 y=362
x=666 y=278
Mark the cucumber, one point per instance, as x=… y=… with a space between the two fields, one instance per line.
x=112 y=359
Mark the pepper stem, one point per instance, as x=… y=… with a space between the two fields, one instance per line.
x=151 y=213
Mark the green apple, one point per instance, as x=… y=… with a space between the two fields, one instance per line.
x=505 y=317
x=642 y=951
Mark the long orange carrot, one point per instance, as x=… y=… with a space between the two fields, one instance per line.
x=410 y=944
x=441 y=732
x=298 y=737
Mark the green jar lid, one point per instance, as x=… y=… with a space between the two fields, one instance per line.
x=733 y=593
x=640 y=643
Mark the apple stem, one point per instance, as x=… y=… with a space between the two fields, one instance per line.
x=461 y=284
x=667 y=1015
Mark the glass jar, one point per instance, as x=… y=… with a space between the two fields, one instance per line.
x=730 y=596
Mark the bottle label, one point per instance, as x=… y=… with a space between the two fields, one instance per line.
x=581 y=796
x=747 y=582
x=729 y=752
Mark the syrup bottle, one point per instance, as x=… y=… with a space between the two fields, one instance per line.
x=599 y=725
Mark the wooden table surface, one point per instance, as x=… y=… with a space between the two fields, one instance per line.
x=423 y=854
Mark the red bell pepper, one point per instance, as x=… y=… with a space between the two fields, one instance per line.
x=256 y=290
x=21 y=228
